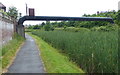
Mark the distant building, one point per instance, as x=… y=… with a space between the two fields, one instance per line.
x=119 y=5
x=2 y=7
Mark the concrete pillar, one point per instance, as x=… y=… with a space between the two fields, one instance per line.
x=21 y=30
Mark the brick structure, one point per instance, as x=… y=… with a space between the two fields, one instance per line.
x=31 y=12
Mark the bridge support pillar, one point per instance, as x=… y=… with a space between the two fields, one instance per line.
x=21 y=30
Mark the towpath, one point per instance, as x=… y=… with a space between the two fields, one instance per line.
x=28 y=59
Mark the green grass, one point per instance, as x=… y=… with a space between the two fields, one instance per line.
x=9 y=50
x=93 y=51
x=54 y=61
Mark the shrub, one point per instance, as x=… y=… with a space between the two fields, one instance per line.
x=106 y=28
x=48 y=28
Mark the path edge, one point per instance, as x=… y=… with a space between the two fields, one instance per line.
x=12 y=60
x=39 y=53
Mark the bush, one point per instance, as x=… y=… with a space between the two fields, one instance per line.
x=36 y=27
x=106 y=28
x=73 y=29
x=48 y=28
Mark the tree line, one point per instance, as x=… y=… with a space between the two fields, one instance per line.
x=84 y=24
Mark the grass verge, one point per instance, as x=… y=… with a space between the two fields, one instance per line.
x=54 y=61
x=9 y=51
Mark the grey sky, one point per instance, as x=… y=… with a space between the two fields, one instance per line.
x=74 y=8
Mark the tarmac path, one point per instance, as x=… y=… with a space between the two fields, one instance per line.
x=28 y=59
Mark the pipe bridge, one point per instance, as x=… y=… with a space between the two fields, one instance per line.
x=20 y=28
x=60 y=18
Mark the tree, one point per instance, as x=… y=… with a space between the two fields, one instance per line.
x=71 y=23
x=47 y=27
x=13 y=12
x=36 y=27
x=30 y=27
x=42 y=24
x=48 y=23
x=85 y=15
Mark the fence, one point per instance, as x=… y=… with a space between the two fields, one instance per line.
x=6 y=28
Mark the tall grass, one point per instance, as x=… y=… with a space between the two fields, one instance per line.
x=7 y=52
x=54 y=61
x=94 y=52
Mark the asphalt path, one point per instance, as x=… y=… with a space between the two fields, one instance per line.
x=28 y=59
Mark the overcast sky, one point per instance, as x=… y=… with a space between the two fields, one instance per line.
x=75 y=8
